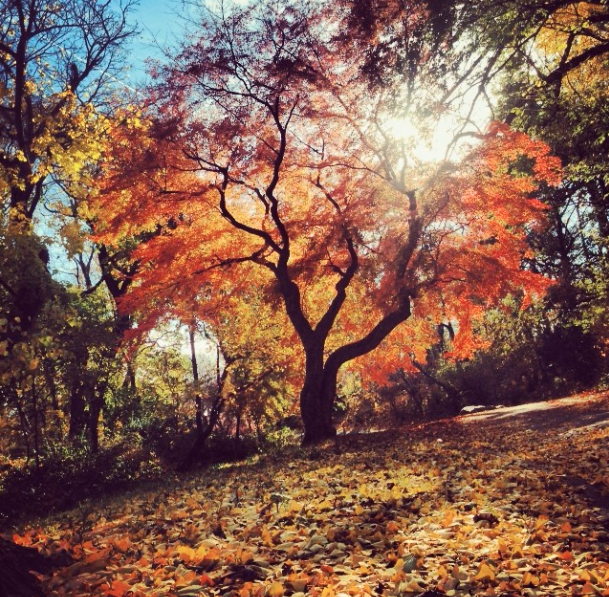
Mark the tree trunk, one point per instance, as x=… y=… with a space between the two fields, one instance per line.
x=77 y=412
x=95 y=407
x=17 y=563
x=201 y=438
x=317 y=415
x=238 y=426
x=319 y=388
x=195 y=382
x=317 y=399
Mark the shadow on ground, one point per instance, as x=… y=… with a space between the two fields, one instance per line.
x=565 y=415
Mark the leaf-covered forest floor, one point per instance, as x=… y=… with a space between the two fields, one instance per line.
x=507 y=502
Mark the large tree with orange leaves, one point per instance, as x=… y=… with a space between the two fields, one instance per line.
x=272 y=160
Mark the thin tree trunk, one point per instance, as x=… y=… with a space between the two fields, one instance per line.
x=195 y=379
x=77 y=411
x=214 y=415
x=36 y=426
x=78 y=395
x=199 y=446
x=25 y=426
x=50 y=380
x=238 y=426
x=95 y=408
x=98 y=391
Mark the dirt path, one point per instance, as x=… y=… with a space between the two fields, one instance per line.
x=568 y=417
x=576 y=413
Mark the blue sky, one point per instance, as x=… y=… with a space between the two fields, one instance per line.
x=159 y=24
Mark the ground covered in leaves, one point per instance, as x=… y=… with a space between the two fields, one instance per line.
x=509 y=502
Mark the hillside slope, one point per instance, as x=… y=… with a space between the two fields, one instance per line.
x=508 y=502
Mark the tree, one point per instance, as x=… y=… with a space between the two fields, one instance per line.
x=274 y=162
x=55 y=60
x=49 y=52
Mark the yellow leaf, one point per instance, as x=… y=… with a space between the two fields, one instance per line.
x=187 y=554
x=244 y=556
x=275 y=590
x=325 y=505
x=518 y=553
x=296 y=507
x=502 y=546
x=485 y=572
x=267 y=537
x=299 y=584
x=186 y=579
x=448 y=518
x=530 y=579
x=201 y=552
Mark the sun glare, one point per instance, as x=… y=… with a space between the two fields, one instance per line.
x=423 y=144
x=438 y=138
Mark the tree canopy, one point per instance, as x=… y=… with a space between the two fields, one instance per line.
x=313 y=218
x=275 y=173
x=349 y=213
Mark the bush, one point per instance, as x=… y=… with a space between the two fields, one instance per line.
x=69 y=475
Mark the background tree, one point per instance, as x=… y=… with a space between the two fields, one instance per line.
x=55 y=61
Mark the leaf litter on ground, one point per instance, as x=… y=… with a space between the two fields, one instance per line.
x=502 y=505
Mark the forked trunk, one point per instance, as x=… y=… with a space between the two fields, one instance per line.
x=319 y=389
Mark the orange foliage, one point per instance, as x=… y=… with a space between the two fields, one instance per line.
x=256 y=173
